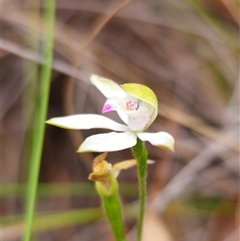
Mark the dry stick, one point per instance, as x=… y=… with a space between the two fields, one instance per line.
x=229 y=6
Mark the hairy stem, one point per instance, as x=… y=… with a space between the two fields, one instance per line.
x=140 y=153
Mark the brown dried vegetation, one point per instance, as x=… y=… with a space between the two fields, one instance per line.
x=187 y=52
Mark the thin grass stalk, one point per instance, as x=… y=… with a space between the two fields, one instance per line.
x=40 y=117
x=31 y=77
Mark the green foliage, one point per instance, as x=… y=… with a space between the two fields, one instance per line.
x=39 y=118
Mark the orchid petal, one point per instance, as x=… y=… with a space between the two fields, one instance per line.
x=128 y=164
x=108 y=142
x=109 y=105
x=125 y=165
x=123 y=115
x=99 y=163
x=144 y=94
x=161 y=139
x=108 y=88
x=86 y=121
x=101 y=176
x=137 y=120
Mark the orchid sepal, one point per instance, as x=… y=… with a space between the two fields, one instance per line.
x=161 y=139
x=107 y=142
x=86 y=122
x=107 y=87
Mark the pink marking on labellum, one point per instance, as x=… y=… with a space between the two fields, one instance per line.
x=132 y=105
x=107 y=107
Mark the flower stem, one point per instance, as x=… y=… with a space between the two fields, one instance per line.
x=107 y=187
x=113 y=209
x=141 y=155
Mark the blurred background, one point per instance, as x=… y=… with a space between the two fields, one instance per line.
x=187 y=52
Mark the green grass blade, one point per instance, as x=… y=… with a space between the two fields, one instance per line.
x=41 y=111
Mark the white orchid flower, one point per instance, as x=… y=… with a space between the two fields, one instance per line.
x=135 y=104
